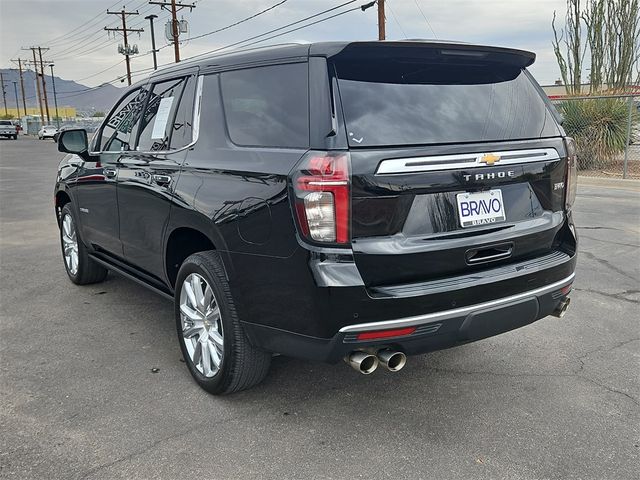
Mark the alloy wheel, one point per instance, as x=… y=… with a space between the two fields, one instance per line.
x=201 y=325
x=70 y=244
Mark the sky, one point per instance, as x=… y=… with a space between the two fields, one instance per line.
x=84 y=52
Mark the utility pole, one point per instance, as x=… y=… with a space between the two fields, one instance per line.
x=153 y=40
x=35 y=66
x=4 y=95
x=44 y=85
x=55 y=97
x=15 y=91
x=381 y=21
x=174 y=7
x=24 y=98
x=126 y=50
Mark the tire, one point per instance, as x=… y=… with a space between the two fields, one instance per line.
x=15 y=137
x=241 y=365
x=81 y=269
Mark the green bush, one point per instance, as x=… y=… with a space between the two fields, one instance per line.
x=599 y=127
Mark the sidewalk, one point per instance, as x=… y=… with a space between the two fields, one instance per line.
x=619 y=183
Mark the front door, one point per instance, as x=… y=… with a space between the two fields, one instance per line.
x=148 y=174
x=96 y=184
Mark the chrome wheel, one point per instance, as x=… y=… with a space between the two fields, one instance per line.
x=201 y=325
x=70 y=244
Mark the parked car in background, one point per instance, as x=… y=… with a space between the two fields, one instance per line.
x=48 y=131
x=8 y=129
x=363 y=201
x=62 y=129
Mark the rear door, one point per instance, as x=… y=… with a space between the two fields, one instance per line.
x=147 y=175
x=457 y=162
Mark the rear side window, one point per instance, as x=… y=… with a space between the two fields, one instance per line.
x=157 y=123
x=407 y=101
x=116 y=133
x=267 y=106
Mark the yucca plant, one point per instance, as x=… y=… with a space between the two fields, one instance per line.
x=599 y=127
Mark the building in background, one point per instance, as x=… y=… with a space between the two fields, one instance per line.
x=66 y=113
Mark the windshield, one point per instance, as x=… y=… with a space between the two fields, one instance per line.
x=4 y=122
x=412 y=101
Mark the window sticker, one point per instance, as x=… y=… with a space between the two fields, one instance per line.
x=162 y=117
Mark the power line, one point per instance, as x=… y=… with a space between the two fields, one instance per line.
x=396 y=19
x=85 y=25
x=425 y=19
x=239 y=21
x=282 y=28
x=308 y=25
x=363 y=7
x=101 y=71
x=105 y=43
x=71 y=43
x=135 y=73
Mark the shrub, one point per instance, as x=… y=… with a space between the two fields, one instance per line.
x=599 y=127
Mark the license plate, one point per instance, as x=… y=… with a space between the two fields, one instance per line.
x=480 y=208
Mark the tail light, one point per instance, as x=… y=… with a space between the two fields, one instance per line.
x=572 y=172
x=321 y=184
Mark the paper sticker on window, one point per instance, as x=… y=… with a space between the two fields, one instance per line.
x=162 y=117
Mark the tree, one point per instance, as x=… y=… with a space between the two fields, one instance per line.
x=609 y=46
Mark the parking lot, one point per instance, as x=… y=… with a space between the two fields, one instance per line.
x=79 y=400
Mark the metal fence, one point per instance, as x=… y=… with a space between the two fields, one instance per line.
x=607 y=133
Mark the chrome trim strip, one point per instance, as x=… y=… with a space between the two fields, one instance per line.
x=196 y=111
x=464 y=160
x=457 y=312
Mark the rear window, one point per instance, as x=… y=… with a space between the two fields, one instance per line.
x=409 y=102
x=267 y=106
x=5 y=122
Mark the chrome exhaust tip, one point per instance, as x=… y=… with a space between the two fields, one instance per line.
x=392 y=360
x=562 y=307
x=363 y=362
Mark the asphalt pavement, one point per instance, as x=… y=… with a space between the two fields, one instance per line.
x=559 y=399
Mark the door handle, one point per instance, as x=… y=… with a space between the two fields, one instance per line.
x=110 y=172
x=162 y=180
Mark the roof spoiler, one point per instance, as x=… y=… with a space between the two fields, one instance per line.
x=432 y=50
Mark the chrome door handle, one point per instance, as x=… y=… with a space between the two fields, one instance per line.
x=110 y=172
x=162 y=180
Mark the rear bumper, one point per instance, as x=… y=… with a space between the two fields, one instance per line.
x=312 y=305
x=433 y=331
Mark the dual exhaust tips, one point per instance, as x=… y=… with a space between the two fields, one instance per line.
x=367 y=363
x=394 y=361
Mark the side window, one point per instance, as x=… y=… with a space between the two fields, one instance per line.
x=116 y=133
x=158 y=122
x=183 y=124
x=267 y=106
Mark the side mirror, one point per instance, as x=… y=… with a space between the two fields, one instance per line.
x=74 y=141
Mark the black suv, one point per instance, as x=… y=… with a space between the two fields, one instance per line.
x=347 y=200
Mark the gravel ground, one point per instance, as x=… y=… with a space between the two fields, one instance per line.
x=559 y=399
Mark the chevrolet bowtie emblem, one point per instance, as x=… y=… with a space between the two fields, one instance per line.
x=489 y=158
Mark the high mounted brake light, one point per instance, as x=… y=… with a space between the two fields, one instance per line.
x=322 y=196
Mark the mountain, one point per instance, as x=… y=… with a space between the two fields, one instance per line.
x=70 y=94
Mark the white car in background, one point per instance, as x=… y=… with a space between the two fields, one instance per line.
x=48 y=131
x=8 y=129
